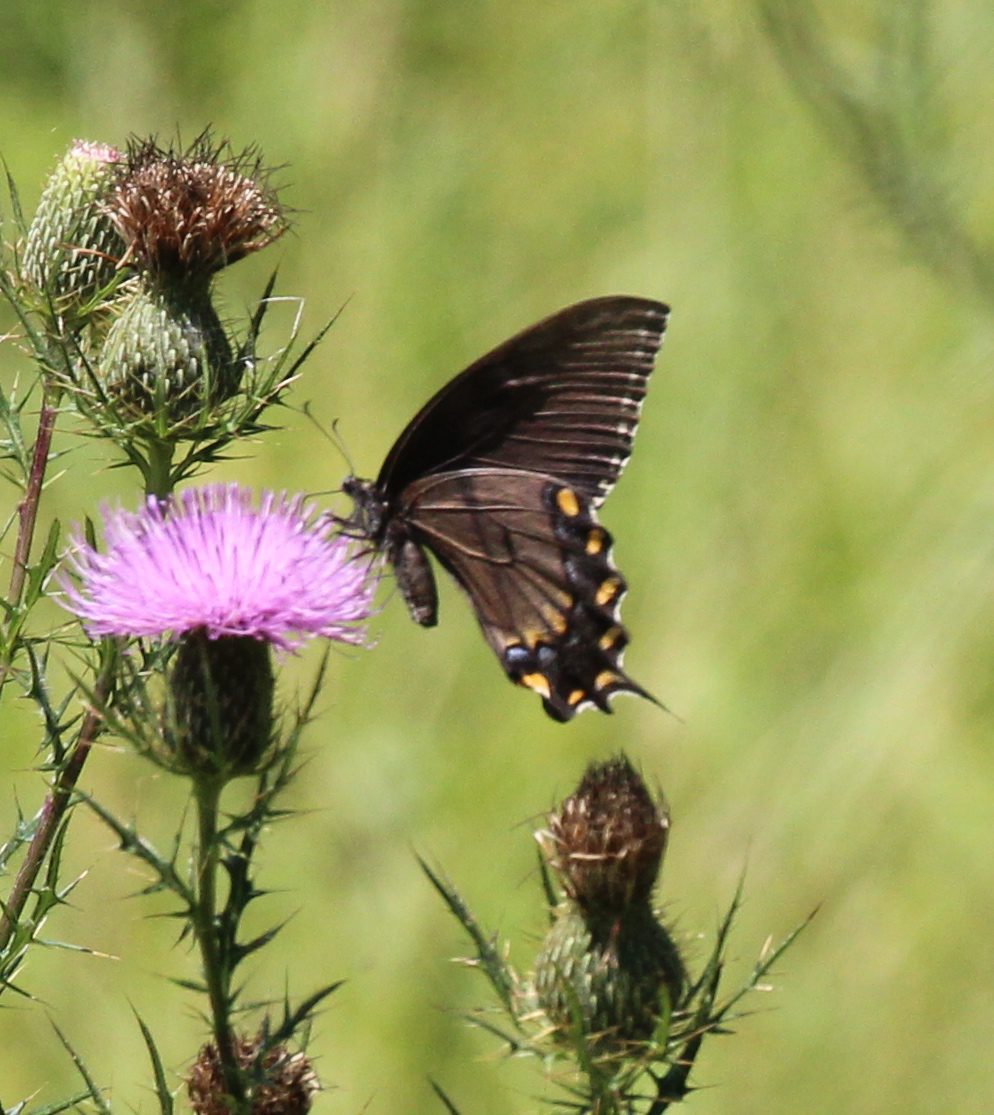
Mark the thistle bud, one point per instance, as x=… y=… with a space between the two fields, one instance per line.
x=182 y=215
x=221 y=705
x=615 y=977
x=607 y=966
x=606 y=841
x=278 y=1082
x=166 y=356
x=72 y=247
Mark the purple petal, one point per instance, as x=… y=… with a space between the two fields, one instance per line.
x=211 y=559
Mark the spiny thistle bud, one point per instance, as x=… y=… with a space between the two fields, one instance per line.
x=183 y=215
x=186 y=214
x=221 y=705
x=72 y=247
x=166 y=354
x=608 y=970
x=279 y=1082
x=606 y=840
x=613 y=978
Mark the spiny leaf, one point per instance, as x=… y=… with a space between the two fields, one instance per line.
x=446 y=1102
x=516 y=1042
x=95 y=1093
x=42 y=567
x=293 y=1018
x=763 y=966
x=141 y=849
x=15 y=201
x=23 y=831
x=197 y=986
x=52 y=1108
x=161 y=1087
x=239 y=952
x=490 y=959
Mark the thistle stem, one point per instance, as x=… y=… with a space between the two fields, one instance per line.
x=205 y=921
x=158 y=477
x=53 y=810
x=27 y=513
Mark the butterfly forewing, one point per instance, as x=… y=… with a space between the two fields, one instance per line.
x=561 y=398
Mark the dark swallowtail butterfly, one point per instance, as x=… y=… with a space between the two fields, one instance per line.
x=500 y=474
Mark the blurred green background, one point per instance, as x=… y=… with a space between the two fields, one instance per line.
x=807 y=524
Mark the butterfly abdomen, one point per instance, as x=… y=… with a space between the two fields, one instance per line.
x=415 y=580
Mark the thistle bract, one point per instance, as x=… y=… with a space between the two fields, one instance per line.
x=219 y=718
x=612 y=978
x=279 y=1082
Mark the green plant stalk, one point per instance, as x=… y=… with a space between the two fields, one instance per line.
x=158 y=476
x=53 y=810
x=207 y=791
x=27 y=512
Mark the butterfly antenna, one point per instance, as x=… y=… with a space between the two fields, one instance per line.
x=331 y=434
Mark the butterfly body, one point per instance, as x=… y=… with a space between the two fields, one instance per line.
x=388 y=532
x=499 y=476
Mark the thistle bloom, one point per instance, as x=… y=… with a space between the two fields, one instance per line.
x=213 y=562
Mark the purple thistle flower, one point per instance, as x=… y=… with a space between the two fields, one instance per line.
x=211 y=561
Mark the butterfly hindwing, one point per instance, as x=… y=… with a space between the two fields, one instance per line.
x=536 y=565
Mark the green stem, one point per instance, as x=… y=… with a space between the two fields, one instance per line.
x=54 y=808
x=216 y=975
x=27 y=512
x=158 y=479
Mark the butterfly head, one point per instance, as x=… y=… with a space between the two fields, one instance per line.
x=369 y=511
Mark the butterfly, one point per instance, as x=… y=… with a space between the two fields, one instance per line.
x=500 y=475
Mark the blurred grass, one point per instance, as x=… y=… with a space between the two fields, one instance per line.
x=807 y=526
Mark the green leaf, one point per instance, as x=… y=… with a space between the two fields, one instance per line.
x=95 y=1093
x=52 y=1108
x=162 y=1091
x=293 y=1018
x=137 y=846
x=446 y=1102
x=41 y=568
x=488 y=958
